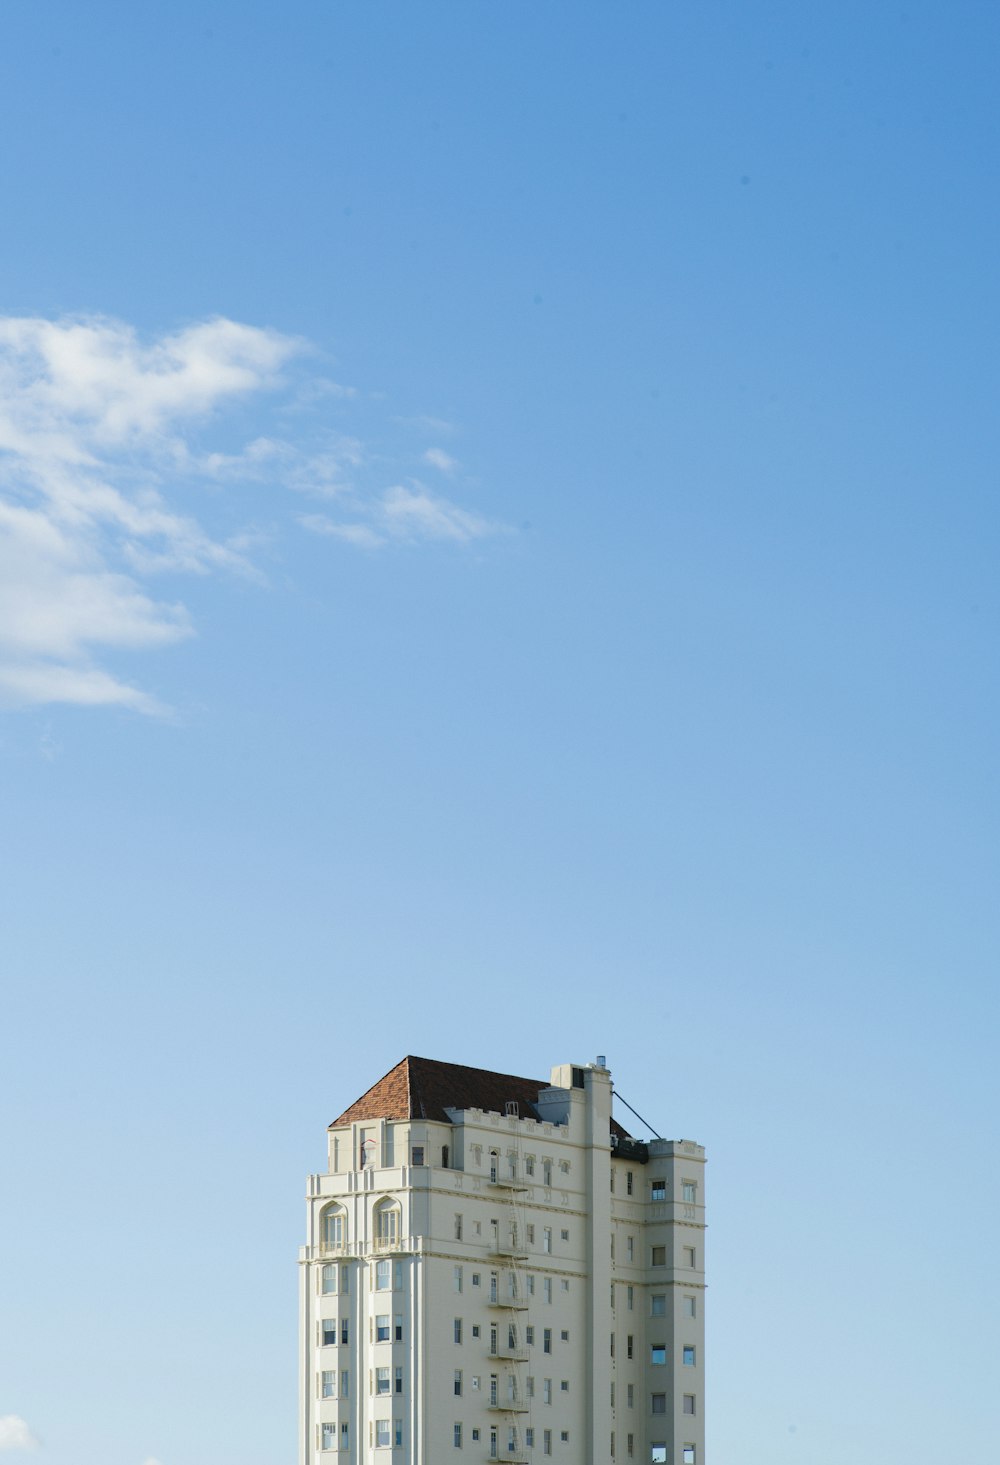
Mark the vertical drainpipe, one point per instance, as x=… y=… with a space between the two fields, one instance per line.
x=597 y=1138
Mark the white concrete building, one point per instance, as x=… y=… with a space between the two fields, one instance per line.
x=496 y=1270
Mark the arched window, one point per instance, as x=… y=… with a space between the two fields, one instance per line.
x=333 y=1229
x=494 y=1166
x=387 y=1228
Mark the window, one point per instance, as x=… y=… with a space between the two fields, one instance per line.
x=383 y=1381
x=631 y=1396
x=529 y=1437
x=690 y=1307
x=546 y=1172
x=332 y=1229
x=657 y=1354
x=628 y=1182
x=688 y=1403
x=531 y=1284
x=564 y=1386
x=658 y=1305
x=529 y=1164
x=564 y=1166
x=386 y=1224
x=458 y=1227
x=417 y=1155
x=564 y=1235
x=564 y=1284
x=458 y=1382
x=629 y=1249
x=659 y=1258
x=546 y=1391
x=630 y=1446
x=399 y=1327
x=494 y=1165
x=345 y=1380
x=329 y=1437
x=547 y=1340
x=687 y=1455
x=345 y=1330
x=529 y=1386
x=547 y=1239
x=444 y=1157
x=475 y=1279
x=397 y=1433
x=659 y=1404
x=399 y=1379
x=612 y=1393
x=529 y=1335
x=564 y=1436
x=564 y=1335
x=689 y=1256
x=547 y=1288
x=457 y=1438
x=689 y=1357
x=475 y=1434
x=458 y=1279
x=383 y=1434
x=657 y=1190
x=475 y=1330
x=383 y=1276
x=328 y=1280
x=328 y=1384
x=345 y=1436
x=458 y=1330
x=382 y=1327
x=689 y=1191
x=546 y=1442
x=629 y=1346
x=658 y=1454
x=328 y=1331
x=630 y=1295
x=530 y=1232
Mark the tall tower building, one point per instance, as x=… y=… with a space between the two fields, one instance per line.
x=496 y=1270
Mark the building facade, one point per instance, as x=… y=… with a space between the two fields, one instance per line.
x=496 y=1270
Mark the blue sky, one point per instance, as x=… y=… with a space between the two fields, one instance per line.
x=498 y=547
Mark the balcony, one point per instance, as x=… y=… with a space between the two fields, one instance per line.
x=509 y=1250
x=518 y=1456
x=502 y=1354
x=512 y=1406
x=510 y=1304
x=506 y=1182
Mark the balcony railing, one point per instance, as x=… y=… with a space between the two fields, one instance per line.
x=504 y=1354
x=376 y=1246
x=511 y=1249
x=512 y=1406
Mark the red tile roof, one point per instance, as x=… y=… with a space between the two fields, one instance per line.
x=423 y=1088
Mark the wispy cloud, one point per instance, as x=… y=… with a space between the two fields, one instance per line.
x=405 y=514
x=438 y=458
x=15 y=1434
x=91 y=431
x=102 y=438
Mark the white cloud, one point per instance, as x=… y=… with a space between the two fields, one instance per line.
x=15 y=1434
x=438 y=458
x=151 y=1461
x=91 y=430
x=103 y=433
x=404 y=514
x=416 y=514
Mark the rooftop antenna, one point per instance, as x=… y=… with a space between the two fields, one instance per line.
x=638 y=1116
